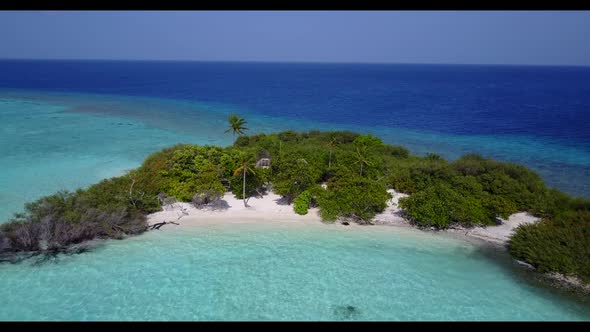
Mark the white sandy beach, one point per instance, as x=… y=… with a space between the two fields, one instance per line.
x=232 y=210
x=499 y=234
x=270 y=209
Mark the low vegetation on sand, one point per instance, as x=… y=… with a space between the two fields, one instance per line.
x=343 y=174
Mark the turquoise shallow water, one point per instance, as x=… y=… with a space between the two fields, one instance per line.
x=280 y=272
x=50 y=148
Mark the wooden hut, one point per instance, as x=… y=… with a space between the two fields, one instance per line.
x=263 y=163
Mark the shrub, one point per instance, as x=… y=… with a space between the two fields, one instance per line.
x=242 y=141
x=396 y=151
x=205 y=197
x=514 y=183
x=426 y=209
x=468 y=210
x=193 y=169
x=329 y=208
x=467 y=184
x=560 y=245
x=254 y=185
x=345 y=137
x=57 y=221
x=399 y=178
x=150 y=177
x=425 y=173
x=123 y=191
x=440 y=205
x=289 y=136
x=292 y=175
x=368 y=141
x=470 y=164
x=302 y=202
x=552 y=202
x=499 y=206
x=355 y=197
x=433 y=156
x=312 y=133
x=4 y=243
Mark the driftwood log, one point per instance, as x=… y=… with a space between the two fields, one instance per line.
x=160 y=224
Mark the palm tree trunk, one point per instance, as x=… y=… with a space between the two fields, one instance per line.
x=361 y=169
x=244 y=188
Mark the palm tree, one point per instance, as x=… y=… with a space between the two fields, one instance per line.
x=244 y=168
x=331 y=144
x=237 y=125
x=361 y=156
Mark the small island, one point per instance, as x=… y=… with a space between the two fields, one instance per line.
x=330 y=177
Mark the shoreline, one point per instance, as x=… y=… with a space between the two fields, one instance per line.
x=269 y=209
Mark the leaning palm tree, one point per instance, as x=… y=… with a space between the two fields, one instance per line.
x=361 y=158
x=331 y=144
x=244 y=168
x=237 y=125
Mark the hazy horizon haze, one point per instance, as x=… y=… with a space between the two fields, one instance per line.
x=554 y=38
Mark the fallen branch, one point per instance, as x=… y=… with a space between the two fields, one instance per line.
x=160 y=224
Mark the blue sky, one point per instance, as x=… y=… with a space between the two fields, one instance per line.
x=494 y=37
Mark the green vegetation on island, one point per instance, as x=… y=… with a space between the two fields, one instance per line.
x=343 y=174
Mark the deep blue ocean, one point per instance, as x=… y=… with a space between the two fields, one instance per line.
x=551 y=102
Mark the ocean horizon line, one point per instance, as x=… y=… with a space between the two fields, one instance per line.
x=296 y=62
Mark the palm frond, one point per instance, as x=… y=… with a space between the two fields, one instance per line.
x=238 y=170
